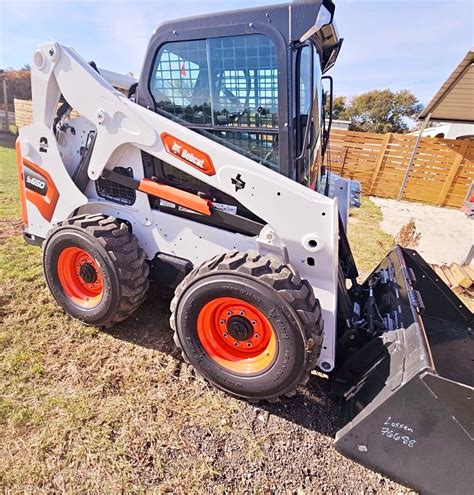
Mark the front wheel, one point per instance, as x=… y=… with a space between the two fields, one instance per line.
x=95 y=269
x=248 y=324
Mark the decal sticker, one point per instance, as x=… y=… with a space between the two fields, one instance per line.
x=43 y=146
x=238 y=183
x=40 y=189
x=187 y=210
x=34 y=181
x=188 y=154
x=232 y=210
x=167 y=204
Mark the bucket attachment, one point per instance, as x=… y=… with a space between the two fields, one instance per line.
x=408 y=392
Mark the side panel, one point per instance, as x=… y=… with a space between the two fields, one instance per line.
x=50 y=195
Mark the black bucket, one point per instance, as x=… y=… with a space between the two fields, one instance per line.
x=408 y=394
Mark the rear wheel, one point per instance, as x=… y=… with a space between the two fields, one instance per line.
x=248 y=324
x=95 y=269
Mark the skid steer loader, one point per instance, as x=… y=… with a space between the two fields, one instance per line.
x=211 y=177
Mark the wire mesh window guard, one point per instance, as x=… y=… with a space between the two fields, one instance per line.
x=222 y=83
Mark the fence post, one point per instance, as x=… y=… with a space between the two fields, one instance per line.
x=378 y=163
x=458 y=158
x=412 y=157
x=5 y=100
x=343 y=162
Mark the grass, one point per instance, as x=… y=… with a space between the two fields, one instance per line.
x=9 y=196
x=369 y=242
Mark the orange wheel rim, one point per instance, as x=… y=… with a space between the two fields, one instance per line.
x=237 y=335
x=80 y=277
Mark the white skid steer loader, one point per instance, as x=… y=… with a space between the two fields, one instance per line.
x=211 y=178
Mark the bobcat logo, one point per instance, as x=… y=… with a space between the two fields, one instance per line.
x=176 y=148
x=188 y=154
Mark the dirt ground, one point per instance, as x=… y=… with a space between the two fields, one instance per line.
x=445 y=234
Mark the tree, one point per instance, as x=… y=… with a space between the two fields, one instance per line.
x=383 y=111
x=18 y=84
x=339 y=107
x=379 y=110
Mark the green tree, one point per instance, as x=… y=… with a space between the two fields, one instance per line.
x=382 y=110
x=339 y=107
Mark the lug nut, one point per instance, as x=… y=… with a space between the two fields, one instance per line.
x=242 y=313
x=225 y=334
x=229 y=313
x=256 y=335
x=254 y=322
x=249 y=344
x=222 y=322
x=236 y=343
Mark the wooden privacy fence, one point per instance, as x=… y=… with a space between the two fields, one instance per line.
x=24 y=112
x=441 y=172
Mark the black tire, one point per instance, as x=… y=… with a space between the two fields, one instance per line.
x=284 y=299
x=117 y=259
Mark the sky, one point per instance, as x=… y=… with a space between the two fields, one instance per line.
x=403 y=44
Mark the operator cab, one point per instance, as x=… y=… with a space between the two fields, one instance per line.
x=249 y=79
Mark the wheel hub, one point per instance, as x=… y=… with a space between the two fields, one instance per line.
x=87 y=273
x=237 y=335
x=239 y=327
x=80 y=277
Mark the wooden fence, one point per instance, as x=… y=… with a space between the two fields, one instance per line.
x=24 y=112
x=441 y=172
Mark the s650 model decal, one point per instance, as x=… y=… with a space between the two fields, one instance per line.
x=188 y=154
x=39 y=189
x=34 y=181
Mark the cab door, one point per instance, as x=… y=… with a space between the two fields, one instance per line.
x=307 y=121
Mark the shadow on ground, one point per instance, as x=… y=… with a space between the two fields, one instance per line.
x=312 y=407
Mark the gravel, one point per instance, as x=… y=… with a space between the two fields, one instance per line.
x=446 y=235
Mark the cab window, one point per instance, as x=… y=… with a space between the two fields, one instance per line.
x=226 y=88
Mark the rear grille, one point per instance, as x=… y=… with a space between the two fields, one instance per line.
x=116 y=192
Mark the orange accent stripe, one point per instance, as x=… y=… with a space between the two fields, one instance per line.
x=45 y=204
x=21 y=180
x=182 y=198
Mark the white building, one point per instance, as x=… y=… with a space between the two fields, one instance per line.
x=452 y=130
x=340 y=124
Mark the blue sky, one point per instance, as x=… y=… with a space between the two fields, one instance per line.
x=412 y=44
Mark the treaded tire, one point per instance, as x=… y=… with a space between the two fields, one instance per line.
x=118 y=258
x=285 y=299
